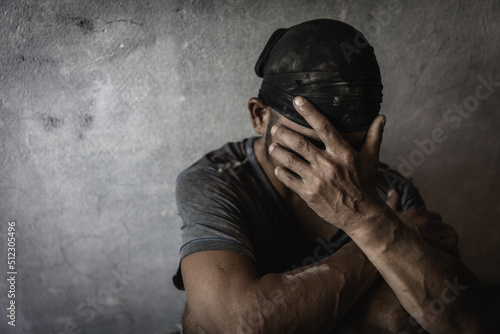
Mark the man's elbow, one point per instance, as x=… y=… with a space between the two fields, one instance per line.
x=460 y=319
x=456 y=324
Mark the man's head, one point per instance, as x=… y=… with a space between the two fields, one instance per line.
x=330 y=64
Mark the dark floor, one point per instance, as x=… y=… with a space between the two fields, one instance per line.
x=493 y=308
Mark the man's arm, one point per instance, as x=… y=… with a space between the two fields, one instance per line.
x=225 y=293
x=433 y=286
x=379 y=310
x=338 y=184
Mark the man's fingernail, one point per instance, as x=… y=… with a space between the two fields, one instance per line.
x=271 y=148
x=390 y=193
x=299 y=101
x=274 y=129
x=382 y=124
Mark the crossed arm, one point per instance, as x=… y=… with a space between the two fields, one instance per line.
x=226 y=295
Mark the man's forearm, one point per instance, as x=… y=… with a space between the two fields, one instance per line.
x=311 y=299
x=316 y=297
x=434 y=287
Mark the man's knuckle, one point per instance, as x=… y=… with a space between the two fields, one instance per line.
x=326 y=128
x=330 y=173
x=290 y=160
x=307 y=194
x=310 y=194
x=317 y=183
x=301 y=144
x=326 y=163
x=350 y=159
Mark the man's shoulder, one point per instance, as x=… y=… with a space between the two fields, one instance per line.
x=220 y=167
x=231 y=152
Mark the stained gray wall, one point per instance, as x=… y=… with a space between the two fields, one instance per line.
x=103 y=103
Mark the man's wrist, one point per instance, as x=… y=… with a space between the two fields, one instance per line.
x=378 y=230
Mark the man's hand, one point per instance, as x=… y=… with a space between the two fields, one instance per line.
x=428 y=225
x=338 y=183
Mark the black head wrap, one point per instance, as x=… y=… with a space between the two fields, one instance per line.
x=329 y=63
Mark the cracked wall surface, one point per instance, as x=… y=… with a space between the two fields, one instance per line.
x=103 y=103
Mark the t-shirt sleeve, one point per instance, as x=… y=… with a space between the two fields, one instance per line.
x=409 y=195
x=212 y=213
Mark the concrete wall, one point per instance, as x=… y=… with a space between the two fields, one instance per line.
x=103 y=103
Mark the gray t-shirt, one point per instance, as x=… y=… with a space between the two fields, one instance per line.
x=226 y=202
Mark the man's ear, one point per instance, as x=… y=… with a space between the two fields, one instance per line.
x=259 y=115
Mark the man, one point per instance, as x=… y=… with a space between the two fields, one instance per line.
x=298 y=230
